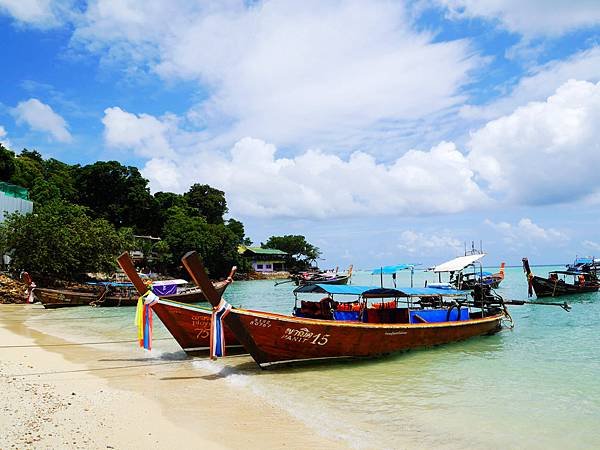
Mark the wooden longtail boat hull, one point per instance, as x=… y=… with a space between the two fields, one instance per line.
x=544 y=287
x=277 y=339
x=193 y=296
x=338 y=280
x=56 y=298
x=190 y=326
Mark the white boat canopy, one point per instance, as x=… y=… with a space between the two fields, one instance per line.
x=456 y=264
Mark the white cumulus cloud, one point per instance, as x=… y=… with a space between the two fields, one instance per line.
x=539 y=83
x=288 y=72
x=544 y=152
x=144 y=133
x=531 y=17
x=41 y=117
x=39 y=13
x=429 y=244
x=3 y=139
x=525 y=232
x=318 y=184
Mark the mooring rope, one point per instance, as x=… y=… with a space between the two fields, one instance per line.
x=60 y=318
x=78 y=343
x=96 y=369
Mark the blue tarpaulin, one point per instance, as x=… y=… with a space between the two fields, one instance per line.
x=388 y=270
x=375 y=291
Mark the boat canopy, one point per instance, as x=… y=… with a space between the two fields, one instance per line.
x=375 y=291
x=177 y=282
x=387 y=270
x=483 y=274
x=456 y=264
x=570 y=272
x=111 y=283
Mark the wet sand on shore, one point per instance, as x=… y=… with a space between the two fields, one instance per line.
x=59 y=395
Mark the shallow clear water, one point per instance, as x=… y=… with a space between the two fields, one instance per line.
x=536 y=386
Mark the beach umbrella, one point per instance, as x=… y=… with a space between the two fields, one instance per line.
x=392 y=270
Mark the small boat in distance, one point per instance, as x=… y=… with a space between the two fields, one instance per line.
x=273 y=339
x=468 y=280
x=588 y=264
x=555 y=286
x=327 y=277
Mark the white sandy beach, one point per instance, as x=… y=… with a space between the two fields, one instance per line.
x=57 y=395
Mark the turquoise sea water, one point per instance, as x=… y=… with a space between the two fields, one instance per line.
x=537 y=386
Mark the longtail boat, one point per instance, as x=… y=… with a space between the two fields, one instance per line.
x=468 y=280
x=307 y=278
x=273 y=339
x=190 y=325
x=555 y=286
x=585 y=264
x=109 y=294
x=60 y=298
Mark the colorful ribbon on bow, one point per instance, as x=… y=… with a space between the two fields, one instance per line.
x=217 y=332
x=143 y=318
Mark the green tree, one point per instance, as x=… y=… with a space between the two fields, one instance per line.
x=216 y=243
x=208 y=201
x=237 y=228
x=60 y=240
x=116 y=193
x=62 y=176
x=28 y=169
x=300 y=252
x=7 y=163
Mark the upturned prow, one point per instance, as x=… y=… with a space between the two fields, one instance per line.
x=526 y=267
x=128 y=267
x=232 y=274
x=193 y=264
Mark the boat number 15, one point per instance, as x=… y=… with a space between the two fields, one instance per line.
x=320 y=339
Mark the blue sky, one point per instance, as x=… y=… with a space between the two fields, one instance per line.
x=383 y=131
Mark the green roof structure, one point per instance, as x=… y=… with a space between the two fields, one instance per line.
x=261 y=251
x=13 y=190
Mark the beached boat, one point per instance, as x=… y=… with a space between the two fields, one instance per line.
x=111 y=294
x=328 y=277
x=277 y=338
x=190 y=325
x=555 y=286
x=60 y=298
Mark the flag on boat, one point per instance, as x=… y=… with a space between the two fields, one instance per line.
x=217 y=333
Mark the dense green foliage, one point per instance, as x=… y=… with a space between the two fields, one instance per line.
x=101 y=201
x=209 y=202
x=60 y=240
x=300 y=253
x=85 y=215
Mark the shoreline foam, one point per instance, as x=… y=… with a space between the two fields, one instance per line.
x=79 y=396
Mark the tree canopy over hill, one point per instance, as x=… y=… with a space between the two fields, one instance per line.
x=82 y=213
x=300 y=254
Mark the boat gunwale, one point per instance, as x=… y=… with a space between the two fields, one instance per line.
x=339 y=323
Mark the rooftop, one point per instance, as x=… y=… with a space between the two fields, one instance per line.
x=261 y=251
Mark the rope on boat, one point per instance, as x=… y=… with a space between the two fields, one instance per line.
x=71 y=344
x=96 y=369
x=59 y=318
x=508 y=318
